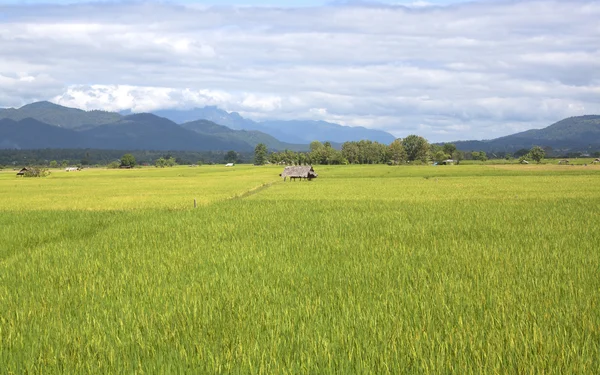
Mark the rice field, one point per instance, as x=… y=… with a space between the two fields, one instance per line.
x=367 y=269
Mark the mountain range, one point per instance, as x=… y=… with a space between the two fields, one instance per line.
x=581 y=133
x=47 y=125
x=291 y=131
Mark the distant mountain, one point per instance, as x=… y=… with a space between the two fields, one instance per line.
x=31 y=134
x=308 y=131
x=135 y=132
x=57 y=115
x=251 y=137
x=47 y=125
x=232 y=120
x=581 y=133
x=295 y=131
x=146 y=131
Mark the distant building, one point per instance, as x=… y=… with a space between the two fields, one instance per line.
x=229 y=164
x=22 y=172
x=299 y=171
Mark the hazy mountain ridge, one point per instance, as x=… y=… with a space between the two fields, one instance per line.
x=288 y=131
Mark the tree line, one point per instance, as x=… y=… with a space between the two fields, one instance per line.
x=412 y=149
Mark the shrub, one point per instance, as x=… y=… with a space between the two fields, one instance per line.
x=36 y=172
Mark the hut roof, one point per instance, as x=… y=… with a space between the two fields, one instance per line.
x=22 y=172
x=305 y=171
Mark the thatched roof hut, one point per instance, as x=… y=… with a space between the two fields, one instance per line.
x=22 y=172
x=299 y=171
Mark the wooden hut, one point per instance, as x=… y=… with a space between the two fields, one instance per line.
x=22 y=172
x=300 y=171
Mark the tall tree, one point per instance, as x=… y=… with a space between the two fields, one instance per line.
x=537 y=153
x=417 y=148
x=260 y=154
x=351 y=152
x=449 y=148
x=315 y=145
x=127 y=160
x=397 y=152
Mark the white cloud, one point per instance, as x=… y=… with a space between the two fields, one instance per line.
x=469 y=70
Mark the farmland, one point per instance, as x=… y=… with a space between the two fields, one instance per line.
x=367 y=269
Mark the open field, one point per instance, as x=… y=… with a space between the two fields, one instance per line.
x=367 y=269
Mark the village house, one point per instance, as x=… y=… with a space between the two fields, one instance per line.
x=300 y=171
x=22 y=171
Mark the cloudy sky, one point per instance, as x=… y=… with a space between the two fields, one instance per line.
x=446 y=70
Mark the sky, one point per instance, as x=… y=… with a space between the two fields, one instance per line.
x=445 y=70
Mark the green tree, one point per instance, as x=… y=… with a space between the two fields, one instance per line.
x=260 y=154
x=537 y=153
x=440 y=156
x=417 y=148
x=171 y=162
x=397 y=152
x=350 y=152
x=128 y=160
x=160 y=162
x=274 y=158
x=113 y=165
x=231 y=156
x=458 y=156
x=449 y=148
x=53 y=164
x=315 y=145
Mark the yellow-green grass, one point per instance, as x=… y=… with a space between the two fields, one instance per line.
x=367 y=269
x=128 y=189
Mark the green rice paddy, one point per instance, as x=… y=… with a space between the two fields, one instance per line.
x=367 y=269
